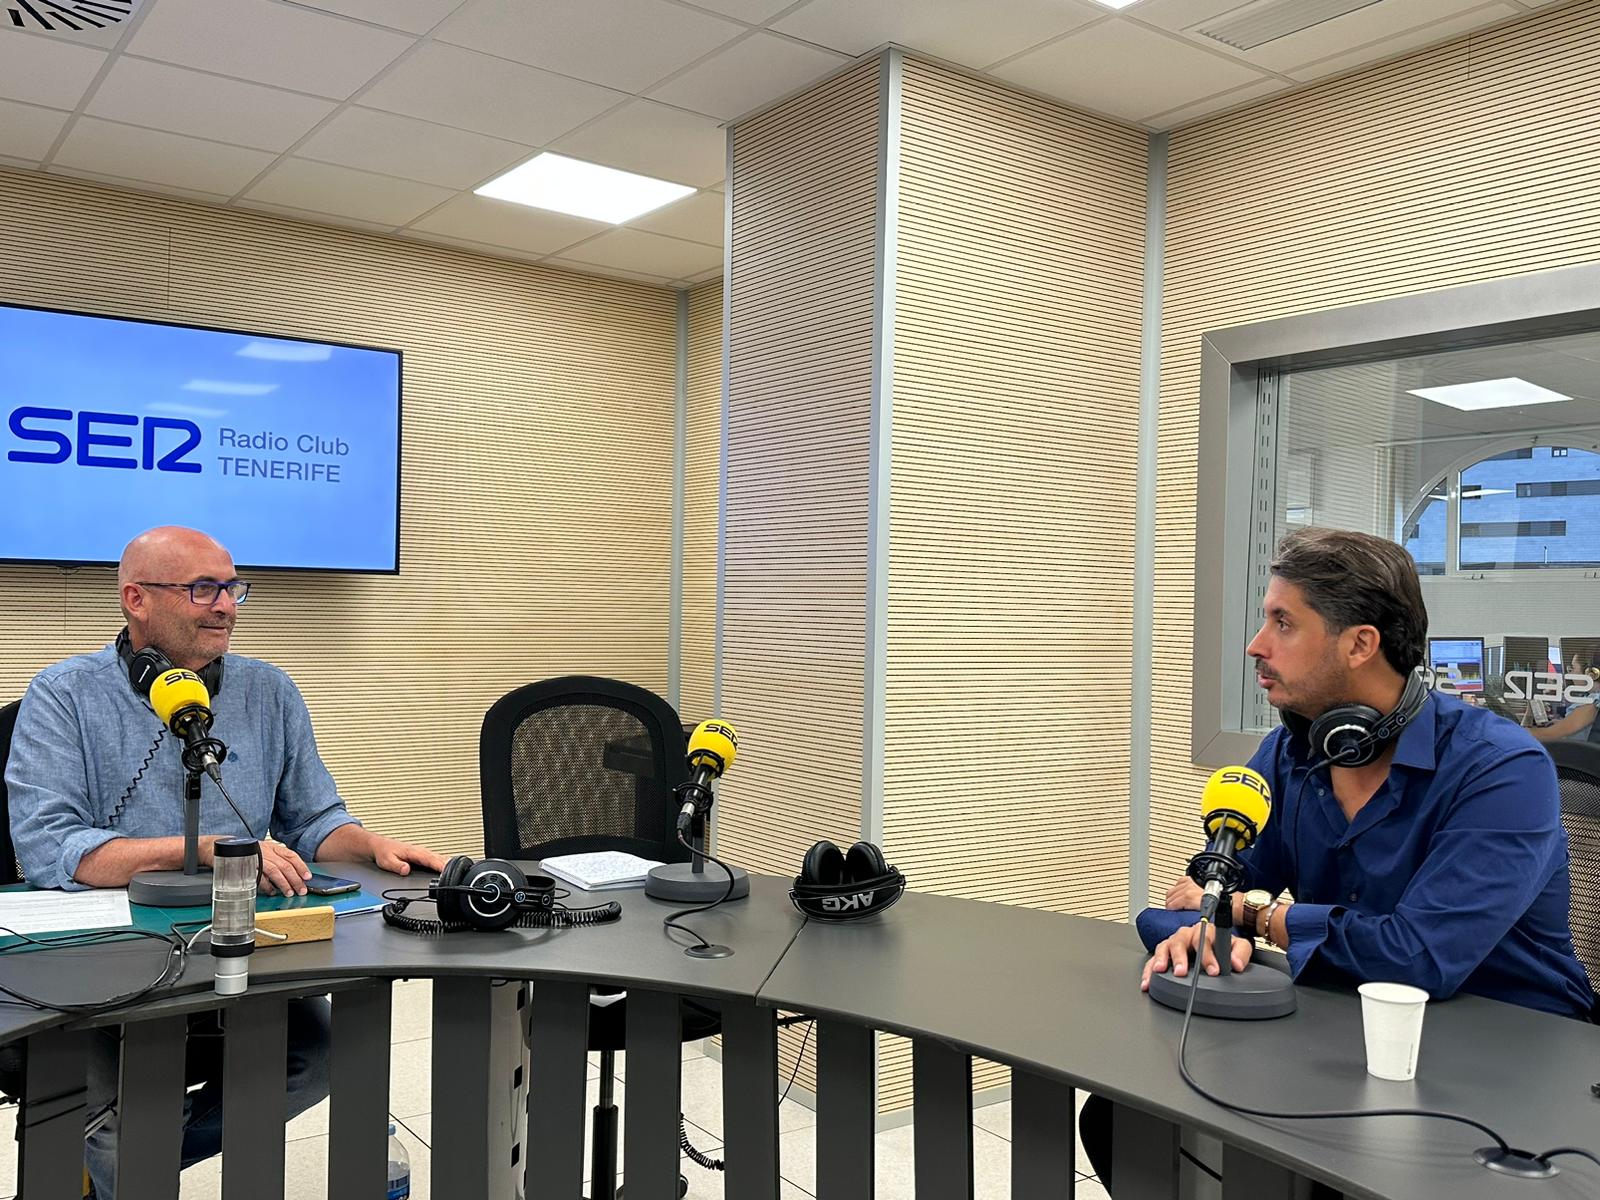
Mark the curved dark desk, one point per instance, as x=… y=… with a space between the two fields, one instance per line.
x=1054 y=996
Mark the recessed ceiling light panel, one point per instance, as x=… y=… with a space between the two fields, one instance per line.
x=1115 y=3
x=1490 y=393
x=582 y=189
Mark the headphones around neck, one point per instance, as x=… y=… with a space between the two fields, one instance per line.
x=1352 y=735
x=835 y=885
x=145 y=665
x=491 y=894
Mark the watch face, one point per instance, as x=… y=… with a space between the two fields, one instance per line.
x=1258 y=898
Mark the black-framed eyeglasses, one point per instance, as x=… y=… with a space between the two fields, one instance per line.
x=206 y=591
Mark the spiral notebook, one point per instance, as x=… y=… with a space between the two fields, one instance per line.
x=600 y=871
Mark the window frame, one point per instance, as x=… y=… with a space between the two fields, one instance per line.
x=1527 y=307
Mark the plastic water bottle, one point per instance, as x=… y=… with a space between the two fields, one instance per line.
x=399 y=1168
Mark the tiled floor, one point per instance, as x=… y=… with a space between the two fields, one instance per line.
x=410 y=1102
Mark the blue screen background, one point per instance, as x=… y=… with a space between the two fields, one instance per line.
x=68 y=512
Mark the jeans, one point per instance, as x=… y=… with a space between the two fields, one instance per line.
x=307 y=1080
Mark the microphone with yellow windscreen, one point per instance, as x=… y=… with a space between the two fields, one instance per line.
x=712 y=748
x=1235 y=805
x=183 y=704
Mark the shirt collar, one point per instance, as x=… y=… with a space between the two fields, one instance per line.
x=1416 y=747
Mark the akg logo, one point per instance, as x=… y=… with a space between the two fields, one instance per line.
x=858 y=902
x=1249 y=779
x=33 y=424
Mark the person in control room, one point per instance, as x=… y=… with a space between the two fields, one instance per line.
x=1441 y=863
x=93 y=802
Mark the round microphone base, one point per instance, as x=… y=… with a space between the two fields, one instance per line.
x=1257 y=993
x=171 y=889
x=709 y=951
x=681 y=884
x=1515 y=1162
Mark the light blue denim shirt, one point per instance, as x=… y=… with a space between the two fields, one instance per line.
x=83 y=735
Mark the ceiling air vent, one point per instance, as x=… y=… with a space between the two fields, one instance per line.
x=1268 y=20
x=68 y=16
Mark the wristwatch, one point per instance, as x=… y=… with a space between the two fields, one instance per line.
x=1255 y=903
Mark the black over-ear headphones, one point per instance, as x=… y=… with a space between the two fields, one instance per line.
x=491 y=894
x=835 y=885
x=145 y=665
x=1352 y=735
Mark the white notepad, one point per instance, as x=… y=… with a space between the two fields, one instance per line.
x=599 y=871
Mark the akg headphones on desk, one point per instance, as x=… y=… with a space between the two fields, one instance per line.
x=835 y=885
x=491 y=894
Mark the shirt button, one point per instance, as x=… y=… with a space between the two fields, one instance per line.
x=1353 y=897
x=1320 y=792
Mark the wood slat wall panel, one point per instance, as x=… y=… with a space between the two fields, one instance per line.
x=536 y=522
x=1469 y=161
x=1016 y=408
x=701 y=500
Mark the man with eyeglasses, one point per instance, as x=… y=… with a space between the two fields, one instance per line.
x=95 y=798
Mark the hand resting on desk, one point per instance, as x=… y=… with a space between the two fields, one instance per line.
x=1176 y=951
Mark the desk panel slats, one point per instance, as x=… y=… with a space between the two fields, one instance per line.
x=942 y=1112
x=1043 y=1135
x=1246 y=1177
x=655 y=1075
x=255 y=1097
x=358 y=1110
x=557 y=1071
x=150 y=1108
x=54 y=1108
x=463 y=1011
x=1144 y=1155
x=845 y=1111
x=749 y=1100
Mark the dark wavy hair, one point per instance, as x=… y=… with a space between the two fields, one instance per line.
x=1358 y=579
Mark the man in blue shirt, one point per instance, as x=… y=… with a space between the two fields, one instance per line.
x=95 y=798
x=1442 y=862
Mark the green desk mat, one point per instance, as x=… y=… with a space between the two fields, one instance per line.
x=161 y=920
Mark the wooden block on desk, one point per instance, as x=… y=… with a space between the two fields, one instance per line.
x=296 y=924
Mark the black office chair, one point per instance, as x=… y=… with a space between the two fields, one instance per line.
x=11 y=1059
x=1578 y=771
x=574 y=766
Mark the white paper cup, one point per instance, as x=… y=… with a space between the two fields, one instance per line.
x=1391 y=1018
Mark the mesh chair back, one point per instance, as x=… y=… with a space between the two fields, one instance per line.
x=579 y=764
x=1578 y=770
x=8 y=852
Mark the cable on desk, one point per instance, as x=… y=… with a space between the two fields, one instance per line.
x=672 y=920
x=177 y=956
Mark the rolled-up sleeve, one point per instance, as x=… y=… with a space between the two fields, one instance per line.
x=47 y=787
x=1484 y=867
x=307 y=807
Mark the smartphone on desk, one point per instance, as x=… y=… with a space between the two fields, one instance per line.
x=330 y=885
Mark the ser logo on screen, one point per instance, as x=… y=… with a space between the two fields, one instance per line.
x=162 y=443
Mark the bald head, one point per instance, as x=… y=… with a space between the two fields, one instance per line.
x=153 y=578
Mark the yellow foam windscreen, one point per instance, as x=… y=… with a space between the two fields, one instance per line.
x=1239 y=799
x=716 y=740
x=173 y=691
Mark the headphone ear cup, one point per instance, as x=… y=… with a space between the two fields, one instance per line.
x=497 y=911
x=823 y=865
x=144 y=666
x=1344 y=735
x=448 y=903
x=864 y=863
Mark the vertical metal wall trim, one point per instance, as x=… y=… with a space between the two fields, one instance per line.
x=722 y=453
x=680 y=450
x=1144 y=528
x=881 y=444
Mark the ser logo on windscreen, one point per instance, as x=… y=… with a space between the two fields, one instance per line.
x=92 y=439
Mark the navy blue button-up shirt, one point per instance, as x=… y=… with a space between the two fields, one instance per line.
x=1452 y=877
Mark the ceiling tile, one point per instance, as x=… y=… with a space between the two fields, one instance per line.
x=454 y=243
x=959 y=30
x=697 y=218
x=706 y=276
x=748 y=75
x=1125 y=70
x=226 y=110
x=41 y=70
x=1215 y=104
x=413 y=16
x=756 y=12
x=410 y=149
x=1428 y=35
x=631 y=250
x=1377 y=21
x=490 y=95
x=277 y=44
x=342 y=192
x=156 y=157
x=627 y=44
x=28 y=132
x=501 y=223
x=582 y=268
x=656 y=140
x=1180 y=14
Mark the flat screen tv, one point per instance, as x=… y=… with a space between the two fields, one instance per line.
x=1457 y=663
x=286 y=451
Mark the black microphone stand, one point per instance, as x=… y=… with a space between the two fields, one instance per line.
x=190 y=887
x=690 y=882
x=1255 y=995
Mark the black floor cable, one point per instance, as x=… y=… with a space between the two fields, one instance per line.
x=1331 y=1114
x=700 y=1158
